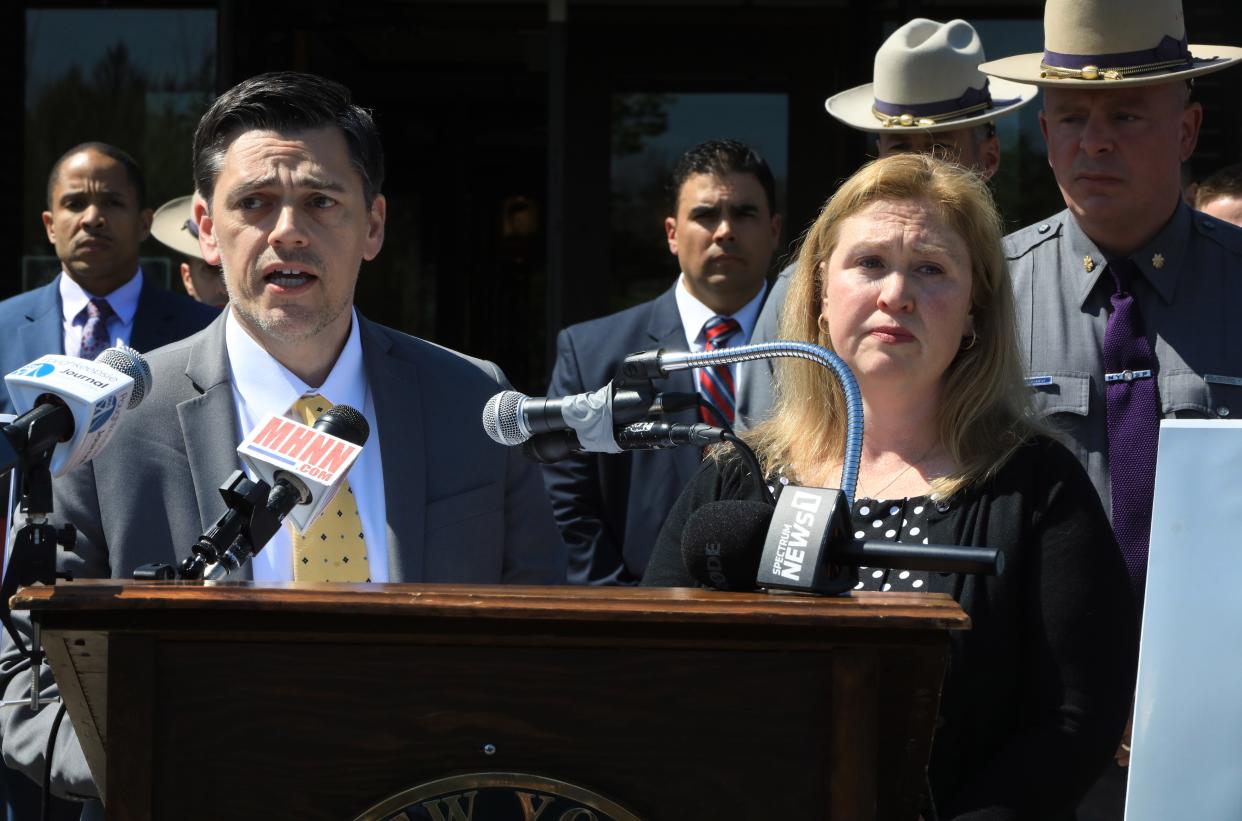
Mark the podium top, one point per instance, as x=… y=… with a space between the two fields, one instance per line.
x=921 y=611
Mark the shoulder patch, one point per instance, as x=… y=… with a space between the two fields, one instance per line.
x=1023 y=241
x=1224 y=234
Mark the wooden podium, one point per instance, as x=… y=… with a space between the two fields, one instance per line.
x=473 y=703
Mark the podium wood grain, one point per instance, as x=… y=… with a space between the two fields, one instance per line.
x=304 y=700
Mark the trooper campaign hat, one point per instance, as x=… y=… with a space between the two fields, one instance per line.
x=173 y=225
x=1113 y=44
x=927 y=78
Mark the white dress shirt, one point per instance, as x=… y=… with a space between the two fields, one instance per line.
x=694 y=315
x=261 y=385
x=124 y=303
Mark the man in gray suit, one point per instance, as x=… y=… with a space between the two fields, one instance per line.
x=290 y=173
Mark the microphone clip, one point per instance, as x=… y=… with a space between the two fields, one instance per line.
x=229 y=542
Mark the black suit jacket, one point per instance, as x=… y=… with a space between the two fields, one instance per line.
x=610 y=506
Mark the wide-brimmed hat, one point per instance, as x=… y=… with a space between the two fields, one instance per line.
x=173 y=225
x=927 y=77
x=1113 y=43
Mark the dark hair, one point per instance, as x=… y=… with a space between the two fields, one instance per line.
x=1225 y=182
x=287 y=101
x=720 y=157
x=133 y=170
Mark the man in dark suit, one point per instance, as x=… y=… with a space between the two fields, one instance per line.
x=723 y=229
x=290 y=171
x=96 y=219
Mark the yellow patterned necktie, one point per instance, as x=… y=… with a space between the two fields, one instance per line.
x=333 y=548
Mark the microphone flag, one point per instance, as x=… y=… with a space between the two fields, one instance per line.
x=96 y=394
x=806 y=521
x=278 y=445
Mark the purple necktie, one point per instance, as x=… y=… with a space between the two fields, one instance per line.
x=95 y=338
x=1133 y=421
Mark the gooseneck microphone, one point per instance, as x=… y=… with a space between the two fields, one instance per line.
x=727 y=544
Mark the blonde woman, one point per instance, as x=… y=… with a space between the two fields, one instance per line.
x=902 y=275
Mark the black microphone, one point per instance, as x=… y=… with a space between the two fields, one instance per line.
x=661 y=435
x=721 y=543
x=257 y=509
x=730 y=544
x=557 y=445
x=288 y=489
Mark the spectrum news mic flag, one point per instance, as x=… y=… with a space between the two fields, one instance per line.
x=280 y=450
x=93 y=395
x=804 y=544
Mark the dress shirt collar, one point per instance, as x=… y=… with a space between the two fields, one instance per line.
x=1160 y=260
x=694 y=315
x=266 y=386
x=124 y=300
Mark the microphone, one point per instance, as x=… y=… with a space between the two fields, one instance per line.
x=301 y=467
x=305 y=466
x=721 y=543
x=72 y=405
x=510 y=418
x=744 y=544
x=662 y=435
x=557 y=445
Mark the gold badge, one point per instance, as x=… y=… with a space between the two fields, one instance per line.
x=1088 y=264
x=1157 y=261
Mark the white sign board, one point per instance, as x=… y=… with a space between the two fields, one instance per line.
x=1186 y=759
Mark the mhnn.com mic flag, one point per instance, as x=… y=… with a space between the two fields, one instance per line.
x=278 y=445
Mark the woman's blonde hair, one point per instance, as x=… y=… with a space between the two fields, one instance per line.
x=986 y=410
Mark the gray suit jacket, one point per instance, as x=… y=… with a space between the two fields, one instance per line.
x=460 y=508
x=758 y=389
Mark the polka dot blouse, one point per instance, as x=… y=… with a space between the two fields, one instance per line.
x=884 y=520
x=891 y=520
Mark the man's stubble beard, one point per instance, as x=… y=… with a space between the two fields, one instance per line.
x=305 y=323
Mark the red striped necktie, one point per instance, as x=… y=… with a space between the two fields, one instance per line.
x=716 y=383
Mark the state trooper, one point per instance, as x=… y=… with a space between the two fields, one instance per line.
x=927 y=96
x=1127 y=300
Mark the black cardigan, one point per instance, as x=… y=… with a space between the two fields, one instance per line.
x=1038 y=690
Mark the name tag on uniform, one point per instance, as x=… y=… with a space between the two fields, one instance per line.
x=1036 y=381
x=1127 y=376
x=1222 y=380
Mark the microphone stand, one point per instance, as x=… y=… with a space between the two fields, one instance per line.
x=640 y=368
x=33 y=558
x=236 y=536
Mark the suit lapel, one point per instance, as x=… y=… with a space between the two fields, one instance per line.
x=45 y=332
x=209 y=421
x=667 y=332
x=397 y=397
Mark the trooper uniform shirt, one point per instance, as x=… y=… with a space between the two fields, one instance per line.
x=1190 y=298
